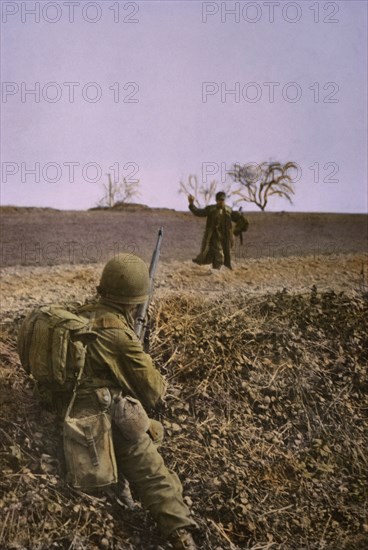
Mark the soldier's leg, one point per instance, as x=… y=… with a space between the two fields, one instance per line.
x=217 y=253
x=227 y=258
x=226 y=251
x=158 y=488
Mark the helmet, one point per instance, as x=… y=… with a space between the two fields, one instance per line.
x=125 y=280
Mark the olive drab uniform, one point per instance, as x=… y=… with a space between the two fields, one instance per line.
x=116 y=361
x=218 y=236
x=116 y=364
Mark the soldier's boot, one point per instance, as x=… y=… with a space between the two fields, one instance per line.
x=181 y=539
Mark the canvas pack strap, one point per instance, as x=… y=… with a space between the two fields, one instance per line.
x=80 y=361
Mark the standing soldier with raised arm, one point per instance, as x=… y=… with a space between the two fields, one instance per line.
x=218 y=237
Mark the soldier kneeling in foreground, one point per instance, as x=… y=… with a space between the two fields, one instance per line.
x=118 y=377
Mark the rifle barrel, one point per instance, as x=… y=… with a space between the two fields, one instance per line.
x=140 y=322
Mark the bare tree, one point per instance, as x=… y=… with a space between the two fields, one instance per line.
x=203 y=193
x=260 y=182
x=118 y=192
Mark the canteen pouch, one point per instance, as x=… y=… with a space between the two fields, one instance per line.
x=130 y=417
x=89 y=451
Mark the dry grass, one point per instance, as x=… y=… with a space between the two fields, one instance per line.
x=272 y=396
x=266 y=425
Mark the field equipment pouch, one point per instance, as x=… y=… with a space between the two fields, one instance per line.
x=89 y=451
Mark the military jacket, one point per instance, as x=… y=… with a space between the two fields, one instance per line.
x=117 y=359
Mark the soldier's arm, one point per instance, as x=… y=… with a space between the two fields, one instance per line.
x=201 y=212
x=135 y=367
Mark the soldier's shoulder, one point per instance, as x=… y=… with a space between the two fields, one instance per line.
x=124 y=332
x=102 y=316
x=108 y=319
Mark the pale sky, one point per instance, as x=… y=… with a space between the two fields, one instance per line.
x=158 y=90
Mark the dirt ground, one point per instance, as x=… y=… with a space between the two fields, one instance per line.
x=48 y=253
x=48 y=237
x=281 y=380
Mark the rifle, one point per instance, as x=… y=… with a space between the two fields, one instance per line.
x=141 y=322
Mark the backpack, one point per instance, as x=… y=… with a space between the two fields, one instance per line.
x=51 y=344
x=241 y=225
